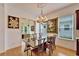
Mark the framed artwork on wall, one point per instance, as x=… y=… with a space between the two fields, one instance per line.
x=32 y=28
x=52 y=26
x=13 y=22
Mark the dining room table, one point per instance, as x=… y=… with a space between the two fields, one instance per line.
x=34 y=42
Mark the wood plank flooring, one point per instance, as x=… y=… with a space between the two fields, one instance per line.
x=59 y=51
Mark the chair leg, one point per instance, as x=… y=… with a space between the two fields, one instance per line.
x=42 y=53
x=31 y=53
x=27 y=53
x=38 y=53
x=50 y=49
x=49 y=53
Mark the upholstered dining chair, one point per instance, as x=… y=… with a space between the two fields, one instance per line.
x=27 y=43
x=34 y=38
x=27 y=48
x=28 y=37
x=51 y=44
x=40 y=48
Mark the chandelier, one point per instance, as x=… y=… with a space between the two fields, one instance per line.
x=41 y=18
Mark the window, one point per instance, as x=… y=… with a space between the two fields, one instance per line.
x=66 y=27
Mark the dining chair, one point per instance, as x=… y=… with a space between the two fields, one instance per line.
x=28 y=37
x=27 y=43
x=27 y=48
x=51 y=44
x=40 y=48
x=35 y=38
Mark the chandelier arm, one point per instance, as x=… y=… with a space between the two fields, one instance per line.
x=41 y=18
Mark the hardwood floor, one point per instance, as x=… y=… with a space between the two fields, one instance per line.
x=59 y=51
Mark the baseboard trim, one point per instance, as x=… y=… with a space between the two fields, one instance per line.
x=20 y=46
x=13 y=48
x=1 y=52
x=65 y=48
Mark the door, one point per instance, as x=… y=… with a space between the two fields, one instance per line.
x=77 y=28
x=77 y=19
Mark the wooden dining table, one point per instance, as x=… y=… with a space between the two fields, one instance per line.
x=34 y=42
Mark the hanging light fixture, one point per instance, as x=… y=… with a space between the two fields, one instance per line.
x=41 y=18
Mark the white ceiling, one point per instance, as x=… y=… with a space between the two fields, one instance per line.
x=33 y=10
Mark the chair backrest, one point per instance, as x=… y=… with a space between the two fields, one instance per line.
x=33 y=37
x=53 y=39
x=43 y=41
x=41 y=44
x=27 y=37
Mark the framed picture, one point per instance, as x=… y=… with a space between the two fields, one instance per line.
x=13 y=22
x=52 y=25
x=32 y=28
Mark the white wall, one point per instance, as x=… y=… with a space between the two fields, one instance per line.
x=13 y=36
x=65 y=11
x=2 y=27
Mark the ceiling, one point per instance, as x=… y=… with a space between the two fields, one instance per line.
x=33 y=10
